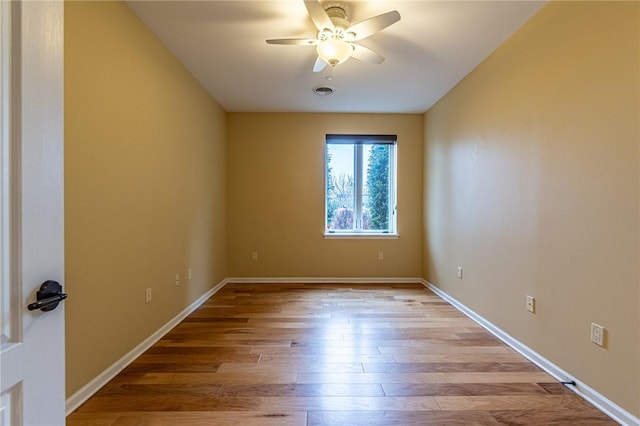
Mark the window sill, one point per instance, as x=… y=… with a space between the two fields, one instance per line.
x=360 y=235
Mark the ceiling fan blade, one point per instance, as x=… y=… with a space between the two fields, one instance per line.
x=319 y=17
x=370 y=26
x=319 y=65
x=294 y=41
x=365 y=54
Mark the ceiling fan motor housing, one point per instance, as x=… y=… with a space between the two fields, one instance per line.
x=337 y=12
x=338 y=16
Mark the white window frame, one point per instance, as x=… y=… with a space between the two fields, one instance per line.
x=358 y=141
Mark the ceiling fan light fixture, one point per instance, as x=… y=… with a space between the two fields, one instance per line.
x=334 y=52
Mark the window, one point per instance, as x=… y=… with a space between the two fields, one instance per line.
x=360 y=193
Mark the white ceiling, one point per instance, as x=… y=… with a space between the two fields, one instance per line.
x=433 y=46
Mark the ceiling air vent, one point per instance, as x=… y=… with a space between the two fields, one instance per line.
x=323 y=90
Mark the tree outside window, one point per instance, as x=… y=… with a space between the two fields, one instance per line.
x=360 y=185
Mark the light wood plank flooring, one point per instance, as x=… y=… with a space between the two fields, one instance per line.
x=314 y=354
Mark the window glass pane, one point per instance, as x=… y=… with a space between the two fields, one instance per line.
x=375 y=200
x=340 y=187
x=360 y=184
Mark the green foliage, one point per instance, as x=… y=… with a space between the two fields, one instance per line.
x=378 y=186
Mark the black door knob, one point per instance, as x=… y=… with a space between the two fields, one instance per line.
x=48 y=296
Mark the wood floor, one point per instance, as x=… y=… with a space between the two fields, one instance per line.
x=296 y=354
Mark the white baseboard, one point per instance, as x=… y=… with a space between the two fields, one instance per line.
x=607 y=406
x=325 y=280
x=84 y=393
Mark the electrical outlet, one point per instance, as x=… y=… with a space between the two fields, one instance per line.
x=254 y=255
x=597 y=334
x=380 y=255
x=531 y=304
x=147 y=295
x=177 y=279
x=459 y=273
x=189 y=274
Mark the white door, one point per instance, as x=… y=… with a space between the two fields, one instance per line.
x=32 y=217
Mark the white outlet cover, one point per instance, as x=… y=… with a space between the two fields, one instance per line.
x=531 y=304
x=459 y=273
x=597 y=334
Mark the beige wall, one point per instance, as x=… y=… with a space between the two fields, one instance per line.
x=276 y=197
x=532 y=185
x=145 y=173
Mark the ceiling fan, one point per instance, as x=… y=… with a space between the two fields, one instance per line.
x=335 y=41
